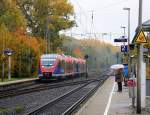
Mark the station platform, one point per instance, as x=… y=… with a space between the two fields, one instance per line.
x=17 y=81
x=107 y=101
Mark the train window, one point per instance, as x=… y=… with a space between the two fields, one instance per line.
x=48 y=62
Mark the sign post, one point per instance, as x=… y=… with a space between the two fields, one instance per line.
x=139 y=39
x=122 y=39
x=9 y=53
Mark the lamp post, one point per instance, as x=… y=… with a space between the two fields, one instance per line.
x=129 y=54
x=124 y=30
x=103 y=34
x=129 y=63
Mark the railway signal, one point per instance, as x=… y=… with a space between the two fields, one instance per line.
x=86 y=57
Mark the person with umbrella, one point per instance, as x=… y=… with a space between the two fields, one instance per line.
x=119 y=79
x=118 y=75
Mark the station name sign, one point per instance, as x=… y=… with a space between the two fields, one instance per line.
x=120 y=40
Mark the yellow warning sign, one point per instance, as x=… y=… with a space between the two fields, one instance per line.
x=140 y=38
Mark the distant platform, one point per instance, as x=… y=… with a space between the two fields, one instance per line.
x=17 y=81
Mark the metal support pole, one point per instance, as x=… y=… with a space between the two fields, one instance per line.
x=9 y=67
x=140 y=60
x=102 y=35
x=129 y=55
x=3 y=64
x=124 y=34
x=29 y=58
x=86 y=69
x=129 y=61
x=110 y=35
x=3 y=70
x=46 y=36
x=139 y=80
x=86 y=58
x=20 y=63
x=117 y=55
x=124 y=31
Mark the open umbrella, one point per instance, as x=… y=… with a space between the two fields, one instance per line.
x=117 y=66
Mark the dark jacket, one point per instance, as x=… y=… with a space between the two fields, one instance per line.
x=119 y=77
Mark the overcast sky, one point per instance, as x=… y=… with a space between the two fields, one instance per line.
x=108 y=16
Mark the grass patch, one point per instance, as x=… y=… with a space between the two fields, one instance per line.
x=3 y=110
x=19 y=109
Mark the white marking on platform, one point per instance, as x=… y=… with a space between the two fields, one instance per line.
x=109 y=101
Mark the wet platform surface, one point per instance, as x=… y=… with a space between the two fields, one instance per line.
x=107 y=101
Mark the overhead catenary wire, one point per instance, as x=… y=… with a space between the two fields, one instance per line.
x=113 y=4
x=89 y=27
x=91 y=20
x=85 y=23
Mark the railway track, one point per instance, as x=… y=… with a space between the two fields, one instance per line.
x=69 y=101
x=38 y=87
x=33 y=82
x=33 y=86
x=23 y=84
x=19 y=84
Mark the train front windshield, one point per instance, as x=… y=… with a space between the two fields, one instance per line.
x=47 y=62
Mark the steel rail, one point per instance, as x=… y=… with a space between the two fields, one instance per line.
x=4 y=94
x=36 y=111
x=76 y=105
x=56 y=100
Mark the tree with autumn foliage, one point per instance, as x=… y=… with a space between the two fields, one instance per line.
x=27 y=51
x=11 y=16
x=101 y=54
x=77 y=52
x=47 y=17
x=23 y=27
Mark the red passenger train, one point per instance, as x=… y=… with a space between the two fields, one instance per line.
x=55 y=66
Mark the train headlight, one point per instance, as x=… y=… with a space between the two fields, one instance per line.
x=42 y=66
x=52 y=66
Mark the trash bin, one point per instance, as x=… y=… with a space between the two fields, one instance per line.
x=132 y=88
